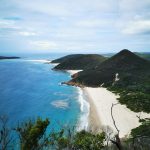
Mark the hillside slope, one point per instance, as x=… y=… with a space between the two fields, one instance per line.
x=124 y=73
x=125 y=63
x=78 y=61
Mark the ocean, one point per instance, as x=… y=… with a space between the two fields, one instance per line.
x=29 y=88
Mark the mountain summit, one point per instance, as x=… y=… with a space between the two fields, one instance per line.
x=124 y=60
x=125 y=63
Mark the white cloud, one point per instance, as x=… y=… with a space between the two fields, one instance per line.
x=26 y=33
x=134 y=17
x=67 y=7
x=75 y=24
x=8 y=24
x=43 y=45
x=92 y=23
x=137 y=27
x=134 y=6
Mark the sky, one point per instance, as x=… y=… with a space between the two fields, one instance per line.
x=74 y=26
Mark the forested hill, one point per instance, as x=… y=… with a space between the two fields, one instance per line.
x=62 y=59
x=124 y=73
x=78 y=61
x=128 y=66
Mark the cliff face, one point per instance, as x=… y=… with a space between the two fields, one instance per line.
x=78 y=61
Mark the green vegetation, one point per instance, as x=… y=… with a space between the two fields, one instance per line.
x=135 y=94
x=140 y=136
x=129 y=66
x=143 y=130
x=133 y=87
x=134 y=79
x=88 y=141
x=62 y=59
x=78 y=61
x=33 y=136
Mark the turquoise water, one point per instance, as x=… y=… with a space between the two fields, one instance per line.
x=29 y=89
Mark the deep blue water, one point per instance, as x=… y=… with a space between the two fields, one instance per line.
x=29 y=89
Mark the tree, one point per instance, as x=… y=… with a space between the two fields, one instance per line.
x=31 y=134
x=84 y=140
x=5 y=133
x=117 y=140
x=141 y=135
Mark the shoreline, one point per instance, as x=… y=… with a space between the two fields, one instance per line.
x=94 y=124
x=83 y=123
x=99 y=119
x=102 y=100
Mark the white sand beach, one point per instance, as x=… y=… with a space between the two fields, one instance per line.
x=102 y=100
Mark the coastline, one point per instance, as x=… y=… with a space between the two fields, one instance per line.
x=94 y=120
x=83 y=122
x=99 y=117
x=101 y=101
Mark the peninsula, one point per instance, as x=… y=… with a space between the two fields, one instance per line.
x=122 y=79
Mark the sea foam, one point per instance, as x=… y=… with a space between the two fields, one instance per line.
x=60 y=104
x=84 y=108
x=39 y=60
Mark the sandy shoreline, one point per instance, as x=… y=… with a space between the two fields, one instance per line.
x=101 y=100
x=94 y=124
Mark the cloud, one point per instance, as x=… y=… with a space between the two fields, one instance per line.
x=138 y=27
x=8 y=24
x=65 y=25
x=134 y=6
x=67 y=8
x=26 y=33
x=43 y=45
x=92 y=23
x=134 y=17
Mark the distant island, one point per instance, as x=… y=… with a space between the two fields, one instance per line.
x=9 y=57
